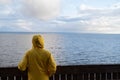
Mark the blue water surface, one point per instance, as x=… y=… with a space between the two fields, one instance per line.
x=67 y=48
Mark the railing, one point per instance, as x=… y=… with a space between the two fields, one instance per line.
x=78 y=72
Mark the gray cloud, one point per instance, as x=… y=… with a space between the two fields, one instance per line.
x=41 y=9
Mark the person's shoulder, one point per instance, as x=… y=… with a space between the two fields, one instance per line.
x=28 y=52
x=47 y=51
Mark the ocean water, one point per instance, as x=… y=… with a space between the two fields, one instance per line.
x=67 y=48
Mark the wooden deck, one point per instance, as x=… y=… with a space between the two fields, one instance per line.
x=76 y=72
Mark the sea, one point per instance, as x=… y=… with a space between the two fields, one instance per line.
x=67 y=48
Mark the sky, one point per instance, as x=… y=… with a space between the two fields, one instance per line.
x=79 y=16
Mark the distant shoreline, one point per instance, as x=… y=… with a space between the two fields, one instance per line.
x=56 y=33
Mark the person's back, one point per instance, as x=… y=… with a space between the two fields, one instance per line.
x=38 y=61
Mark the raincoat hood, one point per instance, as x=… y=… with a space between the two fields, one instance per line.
x=38 y=41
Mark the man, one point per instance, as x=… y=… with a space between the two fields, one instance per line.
x=39 y=62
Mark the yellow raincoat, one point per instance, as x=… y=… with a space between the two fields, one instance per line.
x=38 y=61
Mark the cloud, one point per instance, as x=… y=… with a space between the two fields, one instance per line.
x=85 y=7
x=5 y=11
x=92 y=20
x=14 y=24
x=117 y=5
x=6 y=8
x=20 y=23
x=5 y=1
x=41 y=9
x=102 y=20
x=89 y=18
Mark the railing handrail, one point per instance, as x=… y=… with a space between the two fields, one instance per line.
x=81 y=72
x=77 y=68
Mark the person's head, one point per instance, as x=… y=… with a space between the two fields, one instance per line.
x=38 y=41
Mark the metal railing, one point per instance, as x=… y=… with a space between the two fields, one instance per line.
x=72 y=72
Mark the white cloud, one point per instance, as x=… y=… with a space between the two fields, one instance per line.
x=85 y=7
x=5 y=1
x=41 y=9
x=117 y=5
x=92 y=20
x=23 y=24
x=101 y=20
x=89 y=18
x=6 y=10
x=6 y=7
